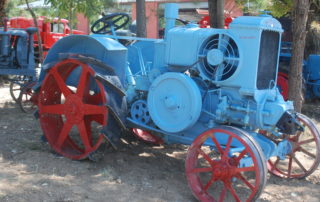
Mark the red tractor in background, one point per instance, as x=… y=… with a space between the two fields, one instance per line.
x=50 y=31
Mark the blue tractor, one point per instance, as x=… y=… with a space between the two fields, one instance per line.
x=213 y=89
x=17 y=63
x=311 y=73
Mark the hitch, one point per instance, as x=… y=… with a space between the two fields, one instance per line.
x=289 y=124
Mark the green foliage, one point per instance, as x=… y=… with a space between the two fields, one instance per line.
x=253 y=6
x=90 y=8
x=280 y=8
x=12 y=10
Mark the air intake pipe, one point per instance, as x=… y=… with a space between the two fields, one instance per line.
x=170 y=14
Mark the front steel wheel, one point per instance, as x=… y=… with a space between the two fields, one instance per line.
x=231 y=168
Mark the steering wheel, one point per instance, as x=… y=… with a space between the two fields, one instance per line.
x=110 y=23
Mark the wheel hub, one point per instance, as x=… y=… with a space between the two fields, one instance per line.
x=74 y=109
x=222 y=170
x=170 y=102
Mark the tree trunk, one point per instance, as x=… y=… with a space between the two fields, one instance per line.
x=141 y=18
x=37 y=33
x=313 y=35
x=2 y=12
x=216 y=13
x=300 y=16
x=71 y=16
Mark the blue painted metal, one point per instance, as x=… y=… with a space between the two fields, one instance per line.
x=311 y=72
x=16 y=52
x=174 y=102
x=194 y=79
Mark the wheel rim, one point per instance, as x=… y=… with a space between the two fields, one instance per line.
x=282 y=83
x=15 y=91
x=305 y=155
x=72 y=117
x=211 y=175
x=28 y=99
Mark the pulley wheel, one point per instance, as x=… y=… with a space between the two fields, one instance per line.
x=174 y=102
x=225 y=164
x=72 y=109
x=304 y=157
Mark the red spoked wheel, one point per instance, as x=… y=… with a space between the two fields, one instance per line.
x=282 y=83
x=304 y=157
x=147 y=137
x=219 y=172
x=28 y=98
x=71 y=116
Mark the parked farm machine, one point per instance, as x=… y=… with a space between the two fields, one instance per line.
x=17 y=61
x=311 y=73
x=213 y=89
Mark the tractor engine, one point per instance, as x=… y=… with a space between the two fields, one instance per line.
x=225 y=77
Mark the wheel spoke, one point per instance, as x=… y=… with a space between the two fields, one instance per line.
x=64 y=133
x=306 y=141
x=306 y=152
x=205 y=156
x=52 y=109
x=233 y=192
x=227 y=149
x=289 y=166
x=209 y=183
x=119 y=18
x=103 y=28
x=216 y=143
x=274 y=165
x=201 y=170
x=243 y=179
x=61 y=83
x=241 y=155
x=93 y=109
x=299 y=164
x=298 y=134
x=84 y=135
x=83 y=81
x=223 y=194
x=244 y=169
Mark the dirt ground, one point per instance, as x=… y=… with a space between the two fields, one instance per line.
x=30 y=171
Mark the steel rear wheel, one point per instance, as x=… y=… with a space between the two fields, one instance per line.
x=304 y=157
x=72 y=115
x=218 y=173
